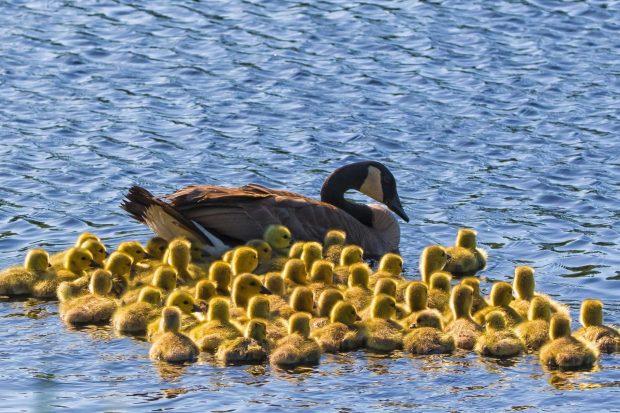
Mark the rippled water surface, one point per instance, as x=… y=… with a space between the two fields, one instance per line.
x=501 y=115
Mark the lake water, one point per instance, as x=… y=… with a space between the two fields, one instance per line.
x=503 y=116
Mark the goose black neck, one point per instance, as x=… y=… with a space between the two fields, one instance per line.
x=340 y=181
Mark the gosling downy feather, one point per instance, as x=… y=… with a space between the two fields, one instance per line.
x=564 y=351
x=342 y=333
x=21 y=280
x=465 y=258
x=534 y=333
x=497 y=340
x=96 y=307
x=463 y=328
x=427 y=337
x=296 y=348
x=252 y=348
x=381 y=333
x=358 y=292
x=134 y=318
x=209 y=335
x=172 y=346
x=219 y=217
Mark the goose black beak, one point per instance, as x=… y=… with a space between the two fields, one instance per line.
x=265 y=290
x=396 y=207
x=95 y=264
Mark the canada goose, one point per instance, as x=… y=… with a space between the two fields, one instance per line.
x=296 y=348
x=427 y=337
x=497 y=340
x=217 y=217
x=466 y=259
x=341 y=334
x=172 y=346
x=564 y=351
x=534 y=333
x=463 y=327
x=605 y=338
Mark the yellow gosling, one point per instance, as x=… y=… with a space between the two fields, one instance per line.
x=534 y=333
x=85 y=236
x=564 y=351
x=427 y=337
x=134 y=318
x=220 y=272
x=351 y=254
x=134 y=249
x=210 y=334
x=172 y=346
x=246 y=286
x=381 y=333
x=119 y=265
x=245 y=260
x=178 y=256
x=279 y=237
x=342 y=333
x=312 y=251
x=94 y=308
x=463 y=328
x=497 y=340
x=156 y=248
x=252 y=348
x=390 y=266
x=57 y=259
x=501 y=297
x=466 y=259
x=186 y=304
x=321 y=276
x=17 y=280
x=76 y=260
x=294 y=274
x=333 y=243
x=358 y=292
x=416 y=298
x=523 y=286
x=265 y=254
x=604 y=338
x=479 y=302
x=296 y=249
x=385 y=286
x=296 y=348
x=326 y=302
x=439 y=291
x=302 y=300
x=165 y=278
x=432 y=259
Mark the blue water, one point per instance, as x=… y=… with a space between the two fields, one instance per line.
x=503 y=116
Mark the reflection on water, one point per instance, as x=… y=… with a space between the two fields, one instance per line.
x=501 y=115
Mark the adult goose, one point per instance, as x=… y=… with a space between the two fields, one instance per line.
x=217 y=217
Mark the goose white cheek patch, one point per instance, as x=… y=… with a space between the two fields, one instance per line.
x=372 y=184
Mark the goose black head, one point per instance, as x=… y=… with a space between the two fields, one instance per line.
x=370 y=178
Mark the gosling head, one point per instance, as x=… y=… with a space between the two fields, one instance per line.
x=134 y=249
x=170 y=321
x=524 y=283
x=441 y=281
x=461 y=301
x=118 y=263
x=344 y=313
x=416 y=296
x=165 y=277
x=359 y=274
x=383 y=306
x=473 y=283
x=299 y=323
x=256 y=330
x=495 y=321
x=246 y=286
x=259 y=307
x=100 y=283
x=327 y=300
x=179 y=253
x=591 y=313
x=385 y=286
x=302 y=299
x=428 y=318
x=278 y=236
x=295 y=271
x=37 y=260
x=312 y=251
x=391 y=263
x=204 y=291
x=322 y=272
x=466 y=238
x=156 y=247
x=245 y=259
x=85 y=236
x=77 y=260
x=97 y=250
x=274 y=283
x=351 y=254
x=183 y=300
x=263 y=249
x=432 y=259
x=219 y=310
x=220 y=272
x=150 y=295
x=334 y=237
x=559 y=327
x=539 y=309
x=296 y=249
x=501 y=294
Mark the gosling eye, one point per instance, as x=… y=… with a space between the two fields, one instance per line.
x=138 y=252
x=162 y=248
x=285 y=236
x=83 y=258
x=265 y=250
x=101 y=250
x=185 y=302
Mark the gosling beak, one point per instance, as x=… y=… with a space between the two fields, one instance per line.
x=107 y=254
x=413 y=325
x=202 y=308
x=95 y=264
x=396 y=207
x=148 y=256
x=49 y=265
x=265 y=290
x=358 y=318
x=448 y=257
